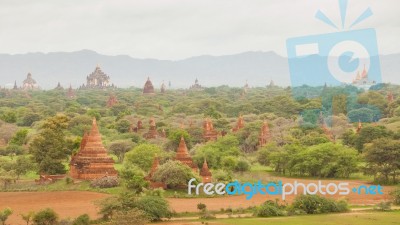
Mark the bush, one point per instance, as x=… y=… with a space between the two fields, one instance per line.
x=396 y=196
x=270 y=208
x=315 y=204
x=383 y=206
x=105 y=182
x=4 y=214
x=45 y=217
x=82 y=220
x=154 y=207
x=133 y=216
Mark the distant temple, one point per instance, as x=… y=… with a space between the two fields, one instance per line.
x=59 y=87
x=112 y=100
x=182 y=155
x=92 y=161
x=265 y=135
x=71 y=92
x=148 y=87
x=149 y=177
x=239 y=124
x=97 y=79
x=163 y=88
x=209 y=134
x=359 y=127
x=323 y=126
x=29 y=83
x=362 y=80
x=196 y=86
x=271 y=84
x=152 y=133
x=246 y=87
x=205 y=173
x=390 y=97
x=15 y=85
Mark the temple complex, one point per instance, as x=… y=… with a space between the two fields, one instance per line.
x=29 y=83
x=112 y=100
x=92 y=161
x=182 y=155
x=196 y=86
x=205 y=173
x=59 y=87
x=362 y=80
x=152 y=133
x=265 y=135
x=71 y=92
x=97 y=79
x=148 y=87
x=239 y=124
x=209 y=134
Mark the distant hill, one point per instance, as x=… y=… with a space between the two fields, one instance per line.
x=233 y=70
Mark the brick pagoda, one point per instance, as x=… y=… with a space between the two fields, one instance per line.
x=182 y=154
x=152 y=133
x=239 y=124
x=92 y=161
x=112 y=100
x=265 y=135
x=148 y=87
x=205 y=173
x=209 y=134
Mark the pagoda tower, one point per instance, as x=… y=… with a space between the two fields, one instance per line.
x=15 y=85
x=112 y=100
x=239 y=124
x=92 y=161
x=148 y=87
x=182 y=155
x=59 y=87
x=29 y=83
x=265 y=135
x=196 y=85
x=359 y=127
x=209 y=134
x=70 y=92
x=152 y=133
x=390 y=97
x=205 y=173
x=163 y=88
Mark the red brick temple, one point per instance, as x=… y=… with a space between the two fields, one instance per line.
x=359 y=127
x=163 y=87
x=112 y=100
x=152 y=133
x=265 y=135
x=92 y=161
x=390 y=97
x=70 y=92
x=182 y=154
x=209 y=134
x=149 y=177
x=205 y=173
x=239 y=124
x=148 y=87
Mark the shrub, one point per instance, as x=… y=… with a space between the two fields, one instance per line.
x=82 y=220
x=396 y=196
x=202 y=207
x=133 y=216
x=105 y=182
x=45 y=217
x=315 y=204
x=383 y=206
x=270 y=208
x=154 y=207
x=4 y=214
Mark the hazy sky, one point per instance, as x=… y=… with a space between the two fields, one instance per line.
x=176 y=29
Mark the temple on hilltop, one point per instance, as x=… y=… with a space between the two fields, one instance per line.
x=163 y=87
x=92 y=161
x=59 y=87
x=239 y=124
x=112 y=100
x=71 y=92
x=97 y=79
x=265 y=135
x=209 y=134
x=182 y=155
x=148 y=88
x=205 y=173
x=196 y=86
x=362 y=80
x=29 y=83
x=152 y=133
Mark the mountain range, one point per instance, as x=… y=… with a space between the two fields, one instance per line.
x=71 y=68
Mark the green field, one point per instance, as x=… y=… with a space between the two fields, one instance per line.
x=365 y=218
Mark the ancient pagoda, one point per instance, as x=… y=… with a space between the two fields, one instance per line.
x=209 y=134
x=205 y=173
x=328 y=133
x=149 y=177
x=92 y=161
x=265 y=135
x=239 y=124
x=359 y=127
x=390 y=97
x=112 y=100
x=97 y=79
x=59 y=87
x=163 y=87
x=15 y=85
x=152 y=133
x=182 y=155
x=196 y=86
x=71 y=92
x=29 y=83
x=148 y=88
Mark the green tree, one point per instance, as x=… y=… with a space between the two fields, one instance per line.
x=45 y=217
x=174 y=174
x=82 y=220
x=119 y=148
x=175 y=138
x=123 y=125
x=27 y=217
x=19 y=137
x=4 y=214
x=50 y=148
x=142 y=156
x=133 y=179
x=369 y=134
x=134 y=216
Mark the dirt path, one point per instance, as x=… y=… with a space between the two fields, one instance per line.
x=68 y=204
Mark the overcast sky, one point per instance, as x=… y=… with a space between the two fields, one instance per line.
x=176 y=29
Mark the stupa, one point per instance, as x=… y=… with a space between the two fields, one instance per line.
x=265 y=135
x=152 y=133
x=205 y=173
x=70 y=92
x=239 y=124
x=209 y=134
x=92 y=161
x=182 y=155
x=148 y=87
x=112 y=100
x=29 y=83
x=196 y=85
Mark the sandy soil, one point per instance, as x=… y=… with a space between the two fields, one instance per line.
x=70 y=204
